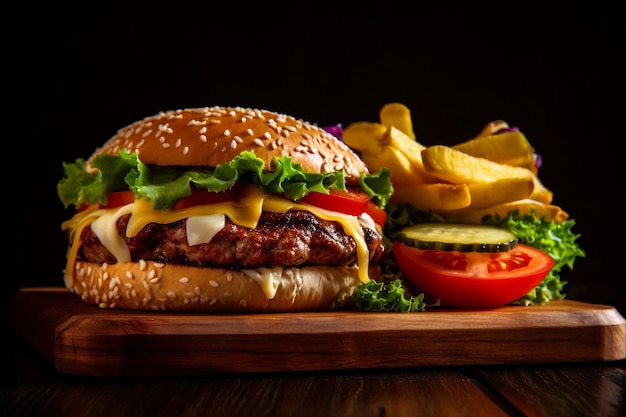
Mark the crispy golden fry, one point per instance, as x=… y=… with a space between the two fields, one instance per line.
x=397 y=115
x=412 y=151
x=458 y=167
x=511 y=148
x=547 y=212
x=400 y=167
x=364 y=137
x=389 y=147
x=437 y=196
x=488 y=194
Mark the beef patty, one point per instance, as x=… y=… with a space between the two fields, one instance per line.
x=294 y=238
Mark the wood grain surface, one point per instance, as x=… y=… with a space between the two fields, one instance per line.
x=79 y=338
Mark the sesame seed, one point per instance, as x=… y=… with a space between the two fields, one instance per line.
x=142 y=265
x=129 y=275
x=151 y=274
x=233 y=144
x=203 y=138
x=203 y=129
x=184 y=280
x=267 y=135
x=214 y=284
x=227 y=132
x=179 y=141
x=166 y=145
x=250 y=132
x=258 y=142
x=185 y=150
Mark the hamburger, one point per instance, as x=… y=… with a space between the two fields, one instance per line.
x=223 y=209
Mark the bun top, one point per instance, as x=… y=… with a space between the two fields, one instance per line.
x=210 y=136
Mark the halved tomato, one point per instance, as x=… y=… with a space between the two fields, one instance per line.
x=474 y=279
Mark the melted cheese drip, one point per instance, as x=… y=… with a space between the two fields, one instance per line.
x=203 y=222
x=267 y=278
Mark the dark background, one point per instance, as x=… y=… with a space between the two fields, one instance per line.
x=555 y=70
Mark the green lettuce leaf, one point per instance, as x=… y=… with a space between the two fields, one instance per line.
x=386 y=296
x=164 y=186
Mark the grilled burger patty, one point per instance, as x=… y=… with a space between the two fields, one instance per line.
x=293 y=238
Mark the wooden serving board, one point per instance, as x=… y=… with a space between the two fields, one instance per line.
x=79 y=338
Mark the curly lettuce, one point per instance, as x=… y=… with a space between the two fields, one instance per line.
x=164 y=186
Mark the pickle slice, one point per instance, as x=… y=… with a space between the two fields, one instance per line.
x=458 y=237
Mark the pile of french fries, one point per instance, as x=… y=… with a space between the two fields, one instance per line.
x=488 y=174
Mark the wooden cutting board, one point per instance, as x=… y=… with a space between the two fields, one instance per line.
x=79 y=338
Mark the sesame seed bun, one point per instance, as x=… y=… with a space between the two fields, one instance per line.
x=211 y=136
x=162 y=286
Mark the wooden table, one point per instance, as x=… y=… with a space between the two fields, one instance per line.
x=32 y=386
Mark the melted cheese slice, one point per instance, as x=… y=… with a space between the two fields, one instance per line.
x=203 y=223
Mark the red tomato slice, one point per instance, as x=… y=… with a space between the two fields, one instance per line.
x=349 y=201
x=197 y=197
x=119 y=199
x=376 y=213
x=200 y=197
x=473 y=279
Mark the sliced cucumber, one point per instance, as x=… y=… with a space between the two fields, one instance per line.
x=458 y=237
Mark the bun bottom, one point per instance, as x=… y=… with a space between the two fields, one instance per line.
x=173 y=287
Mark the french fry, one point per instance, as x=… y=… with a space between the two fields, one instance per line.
x=458 y=167
x=510 y=148
x=399 y=116
x=364 y=136
x=437 y=196
x=547 y=212
x=401 y=169
x=493 y=193
x=412 y=152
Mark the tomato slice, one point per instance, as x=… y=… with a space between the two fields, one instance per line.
x=349 y=201
x=474 y=279
x=376 y=213
x=119 y=199
x=199 y=197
